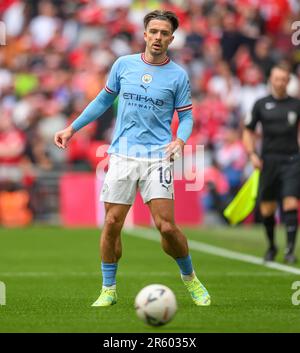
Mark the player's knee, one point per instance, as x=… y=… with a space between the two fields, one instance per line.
x=166 y=228
x=267 y=209
x=290 y=204
x=113 y=221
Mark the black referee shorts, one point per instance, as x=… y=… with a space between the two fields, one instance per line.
x=280 y=177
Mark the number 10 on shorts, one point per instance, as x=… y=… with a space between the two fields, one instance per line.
x=165 y=175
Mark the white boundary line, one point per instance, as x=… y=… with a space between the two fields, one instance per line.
x=56 y=275
x=77 y=274
x=153 y=235
x=217 y=251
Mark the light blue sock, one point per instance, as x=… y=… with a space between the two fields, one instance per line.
x=185 y=265
x=109 y=271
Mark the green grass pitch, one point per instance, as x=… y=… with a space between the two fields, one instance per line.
x=52 y=277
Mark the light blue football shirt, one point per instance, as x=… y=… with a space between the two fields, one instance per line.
x=148 y=95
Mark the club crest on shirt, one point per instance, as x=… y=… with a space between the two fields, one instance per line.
x=292 y=117
x=147 y=78
x=270 y=105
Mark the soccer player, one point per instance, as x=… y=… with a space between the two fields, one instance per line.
x=279 y=162
x=150 y=88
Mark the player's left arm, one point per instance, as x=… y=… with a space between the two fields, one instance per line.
x=183 y=105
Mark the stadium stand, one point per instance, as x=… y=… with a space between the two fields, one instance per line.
x=57 y=56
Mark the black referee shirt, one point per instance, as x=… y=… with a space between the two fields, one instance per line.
x=280 y=121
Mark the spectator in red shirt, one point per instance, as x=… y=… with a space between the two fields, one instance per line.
x=12 y=146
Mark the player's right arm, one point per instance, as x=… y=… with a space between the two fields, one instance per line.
x=94 y=109
x=249 y=137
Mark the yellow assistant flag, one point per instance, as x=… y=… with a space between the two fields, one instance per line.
x=244 y=202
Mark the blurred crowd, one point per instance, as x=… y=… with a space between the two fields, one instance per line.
x=57 y=55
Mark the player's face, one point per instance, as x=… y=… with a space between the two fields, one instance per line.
x=279 y=80
x=158 y=36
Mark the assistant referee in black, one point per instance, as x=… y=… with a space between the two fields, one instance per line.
x=279 y=160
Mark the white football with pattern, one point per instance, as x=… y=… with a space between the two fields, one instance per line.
x=156 y=304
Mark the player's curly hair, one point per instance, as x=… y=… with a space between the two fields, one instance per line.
x=162 y=15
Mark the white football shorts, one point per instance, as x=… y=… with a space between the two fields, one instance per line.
x=153 y=178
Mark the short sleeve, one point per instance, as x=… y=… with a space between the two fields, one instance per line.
x=113 y=82
x=253 y=117
x=183 y=100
